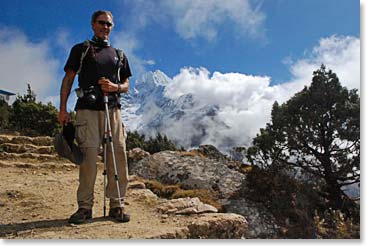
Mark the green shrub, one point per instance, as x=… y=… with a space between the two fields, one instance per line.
x=152 y=145
x=4 y=115
x=33 y=118
x=291 y=202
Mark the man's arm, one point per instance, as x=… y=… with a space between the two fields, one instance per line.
x=124 y=86
x=67 y=83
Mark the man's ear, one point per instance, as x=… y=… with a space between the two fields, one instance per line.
x=93 y=26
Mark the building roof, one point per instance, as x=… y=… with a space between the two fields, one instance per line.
x=6 y=93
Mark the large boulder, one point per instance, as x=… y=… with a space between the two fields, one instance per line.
x=190 y=171
x=261 y=223
x=209 y=226
x=202 y=170
x=136 y=154
x=211 y=152
x=186 y=205
x=218 y=226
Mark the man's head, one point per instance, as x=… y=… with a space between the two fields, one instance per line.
x=102 y=23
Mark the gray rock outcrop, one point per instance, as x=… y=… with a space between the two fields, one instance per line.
x=207 y=169
x=186 y=205
x=190 y=171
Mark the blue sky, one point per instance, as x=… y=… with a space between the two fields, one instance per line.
x=252 y=37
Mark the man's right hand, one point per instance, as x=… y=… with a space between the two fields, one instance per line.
x=67 y=83
x=63 y=117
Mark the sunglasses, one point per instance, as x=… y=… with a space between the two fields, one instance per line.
x=102 y=23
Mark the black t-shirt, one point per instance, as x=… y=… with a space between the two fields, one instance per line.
x=98 y=62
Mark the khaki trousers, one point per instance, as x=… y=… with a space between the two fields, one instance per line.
x=89 y=135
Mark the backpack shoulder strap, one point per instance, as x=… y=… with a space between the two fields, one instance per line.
x=120 y=56
x=86 y=46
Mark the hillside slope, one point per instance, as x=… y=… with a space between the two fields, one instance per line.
x=38 y=194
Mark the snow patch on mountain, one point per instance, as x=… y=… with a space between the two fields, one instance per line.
x=217 y=116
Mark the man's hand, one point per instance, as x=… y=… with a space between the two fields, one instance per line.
x=67 y=83
x=107 y=85
x=63 y=117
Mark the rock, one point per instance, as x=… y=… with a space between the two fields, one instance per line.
x=186 y=205
x=261 y=223
x=145 y=195
x=136 y=185
x=26 y=148
x=191 y=172
x=136 y=154
x=43 y=141
x=39 y=141
x=38 y=157
x=218 y=226
x=45 y=150
x=37 y=148
x=21 y=140
x=132 y=178
x=5 y=139
x=209 y=226
x=211 y=152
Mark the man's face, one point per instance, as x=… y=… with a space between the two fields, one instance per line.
x=102 y=26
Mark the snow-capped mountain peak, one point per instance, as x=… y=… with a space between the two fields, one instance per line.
x=158 y=78
x=185 y=120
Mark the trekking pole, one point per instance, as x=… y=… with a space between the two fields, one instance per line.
x=109 y=139
x=104 y=165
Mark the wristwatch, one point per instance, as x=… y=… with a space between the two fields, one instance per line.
x=119 y=88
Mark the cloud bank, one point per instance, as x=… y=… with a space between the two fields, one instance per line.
x=201 y=19
x=26 y=62
x=245 y=101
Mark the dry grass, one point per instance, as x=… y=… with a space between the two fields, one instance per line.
x=191 y=153
x=204 y=195
x=175 y=191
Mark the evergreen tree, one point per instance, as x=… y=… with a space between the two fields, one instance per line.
x=4 y=115
x=33 y=118
x=152 y=145
x=135 y=140
x=317 y=131
x=159 y=143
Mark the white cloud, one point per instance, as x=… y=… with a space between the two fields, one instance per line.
x=129 y=43
x=223 y=89
x=149 y=62
x=245 y=101
x=63 y=39
x=203 y=18
x=190 y=19
x=341 y=54
x=193 y=19
x=23 y=61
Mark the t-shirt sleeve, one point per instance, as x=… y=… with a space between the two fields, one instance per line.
x=125 y=71
x=73 y=61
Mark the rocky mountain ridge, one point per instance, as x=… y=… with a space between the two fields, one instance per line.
x=149 y=109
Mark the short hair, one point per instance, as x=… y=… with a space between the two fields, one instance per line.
x=101 y=12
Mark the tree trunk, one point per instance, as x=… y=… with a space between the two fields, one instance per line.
x=334 y=194
x=333 y=188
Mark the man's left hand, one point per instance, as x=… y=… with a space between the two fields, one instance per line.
x=107 y=85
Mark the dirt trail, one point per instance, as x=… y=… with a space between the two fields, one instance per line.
x=36 y=199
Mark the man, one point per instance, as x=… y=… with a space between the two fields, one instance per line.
x=100 y=70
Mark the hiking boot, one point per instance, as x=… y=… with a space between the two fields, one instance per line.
x=80 y=216
x=119 y=215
